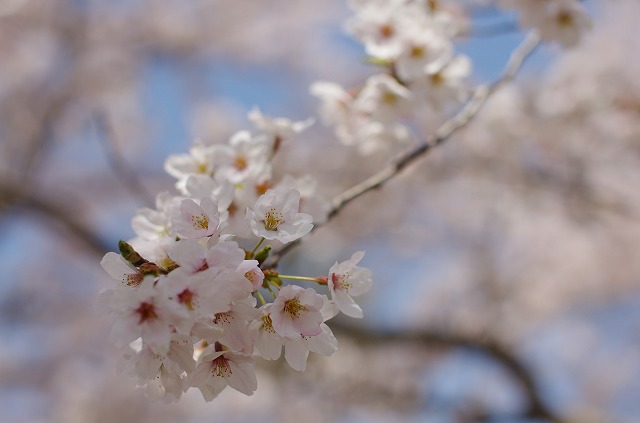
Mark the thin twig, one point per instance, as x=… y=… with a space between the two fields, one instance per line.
x=119 y=165
x=442 y=134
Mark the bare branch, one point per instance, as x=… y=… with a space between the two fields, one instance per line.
x=493 y=349
x=120 y=167
x=12 y=195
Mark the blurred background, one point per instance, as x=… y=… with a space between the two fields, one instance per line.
x=506 y=263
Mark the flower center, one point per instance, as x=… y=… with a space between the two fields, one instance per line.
x=267 y=324
x=386 y=31
x=187 y=297
x=251 y=276
x=200 y=221
x=240 y=162
x=272 y=219
x=220 y=367
x=132 y=279
x=564 y=19
x=293 y=308
x=341 y=281
x=437 y=78
x=147 y=312
x=389 y=98
x=417 y=52
x=222 y=318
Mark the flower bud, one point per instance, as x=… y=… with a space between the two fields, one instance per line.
x=263 y=254
x=130 y=254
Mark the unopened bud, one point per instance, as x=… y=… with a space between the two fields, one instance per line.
x=271 y=277
x=150 y=269
x=263 y=254
x=130 y=254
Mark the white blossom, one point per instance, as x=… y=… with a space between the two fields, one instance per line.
x=145 y=312
x=120 y=269
x=347 y=280
x=278 y=129
x=217 y=369
x=197 y=220
x=296 y=312
x=275 y=216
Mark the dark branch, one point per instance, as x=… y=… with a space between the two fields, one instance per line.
x=11 y=195
x=493 y=349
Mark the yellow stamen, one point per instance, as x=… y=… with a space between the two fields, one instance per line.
x=293 y=308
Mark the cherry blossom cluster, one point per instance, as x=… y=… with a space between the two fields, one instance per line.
x=421 y=75
x=412 y=42
x=188 y=300
x=562 y=21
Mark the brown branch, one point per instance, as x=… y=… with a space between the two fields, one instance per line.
x=11 y=195
x=122 y=170
x=536 y=408
x=480 y=95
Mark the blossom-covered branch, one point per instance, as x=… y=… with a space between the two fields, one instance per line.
x=442 y=134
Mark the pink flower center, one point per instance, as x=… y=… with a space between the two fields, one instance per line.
x=222 y=318
x=187 y=297
x=340 y=281
x=220 y=367
x=132 y=279
x=267 y=324
x=147 y=311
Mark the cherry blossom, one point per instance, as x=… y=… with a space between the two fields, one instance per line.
x=144 y=312
x=296 y=312
x=217 y=369
x=347 y=280
x=197 y=220
x=275 y=216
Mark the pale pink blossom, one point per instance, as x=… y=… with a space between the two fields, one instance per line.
x=250 y=269
x=120 y=269
x=296 y=351
x=161 y=372
x=296 y=312
x=146 y=312
x=197 y=220
x=383 y=99
x=278 y=129
x=217 y=369
x=207 y=292
x=275 y=216
x=266 y=340
x=198 y=161
x=243 y=158
x=347 y=280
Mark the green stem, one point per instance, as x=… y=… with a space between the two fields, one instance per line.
x=260 y=297
x=253 y=252
x=272 y=292
x=302 y=278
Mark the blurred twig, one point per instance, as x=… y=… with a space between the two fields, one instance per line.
x=536 y=408
x=442 y=134
x=13 y=195
x=120 y=167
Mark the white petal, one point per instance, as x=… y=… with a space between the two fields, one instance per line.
x=296 y=355
x=347 y=305
x=243 y=378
